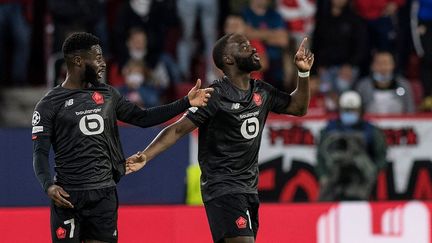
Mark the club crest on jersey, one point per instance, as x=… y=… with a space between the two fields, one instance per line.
x=61 y=233
x=98 y=98
x=241 y=223
x=257 y=99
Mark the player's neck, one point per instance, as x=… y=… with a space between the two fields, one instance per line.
x=241 y=81
x=73 y=82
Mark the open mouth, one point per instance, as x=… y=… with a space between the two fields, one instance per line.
x=101 y=72
x=256 y=57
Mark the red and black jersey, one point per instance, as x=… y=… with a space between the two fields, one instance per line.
x=82 y=127
x=230 y=129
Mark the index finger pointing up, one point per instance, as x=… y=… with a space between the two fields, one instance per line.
x=303 y=43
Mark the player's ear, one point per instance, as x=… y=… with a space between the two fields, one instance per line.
x=77 y=60
x=228 y=59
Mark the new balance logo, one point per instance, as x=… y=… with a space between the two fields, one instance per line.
x=235 y=106
x=68 y=102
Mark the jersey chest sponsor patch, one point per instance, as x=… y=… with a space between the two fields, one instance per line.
x=92 y=124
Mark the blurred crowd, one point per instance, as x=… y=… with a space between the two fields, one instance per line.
x=156 y=49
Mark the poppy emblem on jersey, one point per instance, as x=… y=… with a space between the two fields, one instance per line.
x=61 y=233
x=257 y=99
x=241 y=223
x=98 y=98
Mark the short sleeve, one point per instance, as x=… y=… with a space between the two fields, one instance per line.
x=42 y=119
x=200 y=115
x=279 y=100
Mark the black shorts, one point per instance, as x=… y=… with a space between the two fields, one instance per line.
x=94 y=217
x=233 y=215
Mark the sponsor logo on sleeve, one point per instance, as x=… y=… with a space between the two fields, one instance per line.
x=37 y=129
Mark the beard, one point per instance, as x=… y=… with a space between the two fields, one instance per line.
x=90 y=75
x=247 y=64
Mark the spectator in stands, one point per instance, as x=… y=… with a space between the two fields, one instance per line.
x=138 y=87
x=78 y=15
x=339 y=45
x=383 y=91
x=236 y=24
x=266 y=25
x=380 y=16
x=14 y=31
x=150 y=15
x=424 y=31
x=298 y=16
x=207 y=12
x=351 y=152
x=317 y=103
x=163 y=73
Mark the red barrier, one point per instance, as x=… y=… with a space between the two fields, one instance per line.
x=389 y=222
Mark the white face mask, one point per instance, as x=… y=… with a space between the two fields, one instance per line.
x=137 y=54
x=134 y=80
x=381 y=78
x=349 y=118
x=343 y=84
x=140 y=7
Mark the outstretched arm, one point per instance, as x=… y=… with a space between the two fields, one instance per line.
x=131 y=113
x=300 y=96
x=165 y=139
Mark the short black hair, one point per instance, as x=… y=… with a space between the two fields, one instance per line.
x=79 y=41
x=219 y=51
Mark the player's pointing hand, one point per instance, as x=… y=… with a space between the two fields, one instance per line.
x=304 y=58
x=199 y=97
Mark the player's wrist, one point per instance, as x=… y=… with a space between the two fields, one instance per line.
x=47 y=185
x=303 y=74
x=186 y=101
x=142 y=156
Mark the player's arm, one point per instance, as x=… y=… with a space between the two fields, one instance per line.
x=41 y=147
x=165 y=139
x=42 y=122
x=131 y=113
x=300 y=96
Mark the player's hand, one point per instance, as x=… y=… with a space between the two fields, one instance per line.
x=199 y=97
x=304 y=58
x=135 y=162
x=58 y=195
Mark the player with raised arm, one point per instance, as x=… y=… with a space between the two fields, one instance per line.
x=230 y=129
